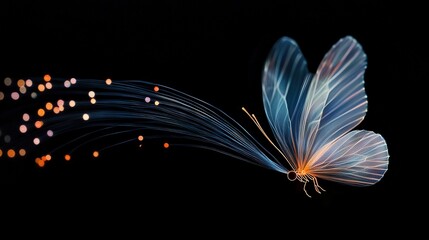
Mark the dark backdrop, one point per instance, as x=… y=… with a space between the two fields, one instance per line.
x=215 y=51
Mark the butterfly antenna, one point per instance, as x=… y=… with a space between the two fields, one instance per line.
x=256 y=122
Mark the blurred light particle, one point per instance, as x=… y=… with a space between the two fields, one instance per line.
x=41 y=112
x=26 y=117
x=20 y=83
x=7 y=81
x=47 y=77
x=41 y=87
x=22 y=152
x=48 y=85
x=50 y=133
x=49 y=106
x=85 y=116
x=14 y=95
x=28 y=83
x=11 y=153
x=23 y=128
x=23 y=90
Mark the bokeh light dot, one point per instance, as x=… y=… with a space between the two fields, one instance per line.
x=14 y=95
x=85 y=116
x=7 y=81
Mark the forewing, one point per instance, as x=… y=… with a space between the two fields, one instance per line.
x=284 y=88
x=336 y=100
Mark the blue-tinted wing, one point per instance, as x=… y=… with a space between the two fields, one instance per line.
x=336 y=100
x=359 y=158
x=284 y=88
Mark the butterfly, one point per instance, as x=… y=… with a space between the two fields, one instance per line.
x=312 y=116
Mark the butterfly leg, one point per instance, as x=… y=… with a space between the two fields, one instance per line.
x=317 y=187
x=305 y=184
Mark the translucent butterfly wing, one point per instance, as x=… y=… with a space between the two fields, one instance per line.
x=359 y=158
x=336 y=100
x=284 y=88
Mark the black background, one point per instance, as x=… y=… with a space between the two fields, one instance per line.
x=214 y=51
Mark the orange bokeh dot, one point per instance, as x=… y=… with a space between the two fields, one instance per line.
x=156 y=88
x=95 y=154
x=1 y=153
x=40 y=162
x=11 y=153
x=140 y=138
x=22 y=152
x=166 y=145
x=38 y=124
x=49 y=106
x=48 y=157
x=41 y=112
x=20 y=83
x=67 y=157
x=41 y=87
x=56 y=110
x=47 y=77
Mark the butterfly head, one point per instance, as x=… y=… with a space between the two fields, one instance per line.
x=304 y=176
x=299 y=174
